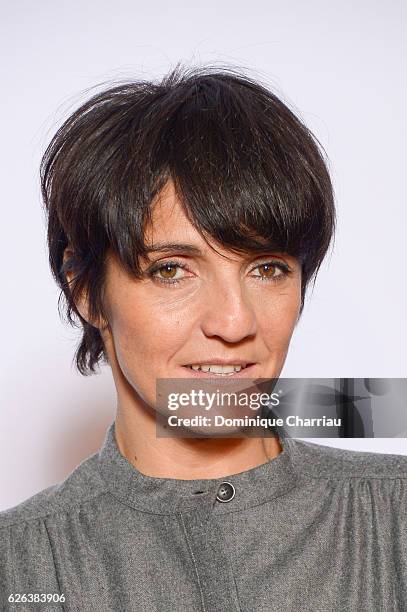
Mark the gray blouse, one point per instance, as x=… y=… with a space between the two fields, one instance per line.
x=315 y=529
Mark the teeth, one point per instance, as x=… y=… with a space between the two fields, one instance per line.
x=222 y=370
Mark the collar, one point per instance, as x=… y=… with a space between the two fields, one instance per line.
x=170 y=495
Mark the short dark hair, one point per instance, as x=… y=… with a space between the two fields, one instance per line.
x=249 y=173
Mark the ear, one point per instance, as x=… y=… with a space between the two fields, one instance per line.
x=68 y=254
x=81 y=303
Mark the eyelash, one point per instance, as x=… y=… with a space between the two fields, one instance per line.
x=286 y=271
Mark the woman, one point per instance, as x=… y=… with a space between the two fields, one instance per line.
x=186 y=219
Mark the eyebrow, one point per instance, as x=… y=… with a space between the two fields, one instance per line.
x=171 y=247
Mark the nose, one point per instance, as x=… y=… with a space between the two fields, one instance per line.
x=228 y=313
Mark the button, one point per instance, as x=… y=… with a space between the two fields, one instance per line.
x=226 y=492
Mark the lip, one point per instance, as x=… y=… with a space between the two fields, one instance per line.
x=217 y=361
x=247 y=372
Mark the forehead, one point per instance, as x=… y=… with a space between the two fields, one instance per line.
x=170 y=225
x=168 y=218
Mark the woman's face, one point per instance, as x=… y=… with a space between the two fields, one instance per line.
x=195 y=307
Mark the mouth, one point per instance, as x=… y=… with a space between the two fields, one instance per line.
x=240 y=370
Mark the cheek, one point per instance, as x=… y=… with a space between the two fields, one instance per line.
x=143 y=333
x=277 y=318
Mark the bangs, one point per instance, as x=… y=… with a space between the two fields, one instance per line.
x=248 y=174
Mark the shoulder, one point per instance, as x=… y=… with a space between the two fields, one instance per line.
x=321 y=461
x=82 y=484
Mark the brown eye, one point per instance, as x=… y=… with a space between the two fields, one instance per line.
x=272 y=271
x=168 y=270
x=268 y=269
x=167 y=273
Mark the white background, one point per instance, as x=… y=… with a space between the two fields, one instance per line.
x=340 y=65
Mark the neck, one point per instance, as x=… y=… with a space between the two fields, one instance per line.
x=185 y=458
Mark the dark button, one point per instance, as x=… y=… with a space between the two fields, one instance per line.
x=226 y=492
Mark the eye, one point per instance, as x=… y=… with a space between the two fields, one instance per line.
x=167 y=272
x=272 y=271
x=170 y=273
